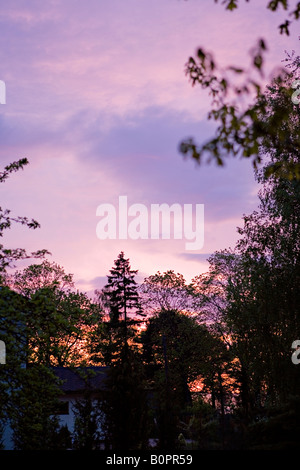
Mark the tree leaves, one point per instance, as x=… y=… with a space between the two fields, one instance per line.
x=239 y=131
x=167 y=291
x=272 y=5
x=15 y=166
x=247 y=132
x=241 y=126
x=7 y=255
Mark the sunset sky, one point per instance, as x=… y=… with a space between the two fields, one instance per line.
x=98 y=101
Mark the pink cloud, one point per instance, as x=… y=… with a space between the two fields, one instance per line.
x=97 y=100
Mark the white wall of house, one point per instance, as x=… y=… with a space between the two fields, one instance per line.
x=69 y=418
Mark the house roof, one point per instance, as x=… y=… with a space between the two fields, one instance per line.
x=81 y=378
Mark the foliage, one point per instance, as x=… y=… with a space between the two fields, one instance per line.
x=126 y=404
x=176 y=351
x=12 y=326
x=120 y=298
x=240 y=107
x=230 y=329
x=251 y=293
x=88 y=421
x=121 y=292
x=244 y=128
x=32 y=408
x=202 y=427
x=45 y=275
x=165 y=291
x=273 y=5
x=60 y=318
x=278 y=428
x=9 y=255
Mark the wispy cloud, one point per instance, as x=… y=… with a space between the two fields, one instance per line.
x=98 y=101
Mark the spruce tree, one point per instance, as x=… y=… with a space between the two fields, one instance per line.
x=125 y=407
x=121 y=297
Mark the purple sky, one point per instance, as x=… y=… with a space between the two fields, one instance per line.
x=98 y=101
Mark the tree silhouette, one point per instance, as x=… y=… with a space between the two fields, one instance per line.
x=125 y=407
x=9 y=255
x=238 y=104
x=121 y=297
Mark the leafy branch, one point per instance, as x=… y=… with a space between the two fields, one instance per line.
x=8 y=256
x=273 y=5
x=241 y=129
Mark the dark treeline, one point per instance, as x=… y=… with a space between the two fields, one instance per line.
x=204 y=365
